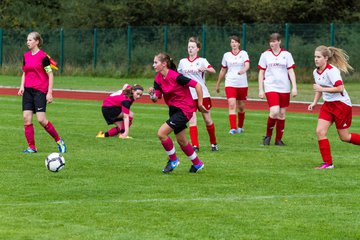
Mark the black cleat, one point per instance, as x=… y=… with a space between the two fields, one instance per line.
x=171 y=165
x=196 y=149
x=266 y=140
x=214 y=147
x=280 y=143
x=196 y=168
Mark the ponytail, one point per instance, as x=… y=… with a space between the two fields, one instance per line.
x=164 y=57
x=337 y=57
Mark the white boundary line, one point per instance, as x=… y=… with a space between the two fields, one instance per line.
x=182 y=200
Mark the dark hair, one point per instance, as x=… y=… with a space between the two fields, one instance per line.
x=129 y=91
x=164 y=57
x=274 y=36
x=235 y=38
x=37 y=37
x=195 y=40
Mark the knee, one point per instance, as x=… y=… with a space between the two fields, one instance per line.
x=345 y=138
x=182 y=142
x=232 y=106
x=321 y=133
x=162 y=137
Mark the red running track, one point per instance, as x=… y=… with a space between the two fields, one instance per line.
x=298 y=107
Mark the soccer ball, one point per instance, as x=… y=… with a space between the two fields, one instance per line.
x=55 y=162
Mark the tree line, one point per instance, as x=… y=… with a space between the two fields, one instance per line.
x=35 y=14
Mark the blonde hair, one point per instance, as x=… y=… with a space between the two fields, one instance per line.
x=37 y=37
x=336 y=56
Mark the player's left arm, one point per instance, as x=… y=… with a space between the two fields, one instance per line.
x=293 y=82
x=47 y=67
x=126 y=120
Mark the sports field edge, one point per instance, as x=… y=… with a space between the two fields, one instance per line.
x=218 y=102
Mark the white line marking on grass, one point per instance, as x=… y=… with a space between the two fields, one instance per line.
x=180 y=200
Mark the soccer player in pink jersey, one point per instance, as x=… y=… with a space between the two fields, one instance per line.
x=276 y=71
x=116 y=110
x=174 y=87
x=329 y=61
x=195 y=67
x=36 y=90
x=234 y=66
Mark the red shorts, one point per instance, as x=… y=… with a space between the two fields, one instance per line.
x=236 y=92
x=337 y=112
x=278 y=99
x=206 y=103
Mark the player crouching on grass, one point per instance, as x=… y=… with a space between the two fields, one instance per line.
x=116 y=110
x=175 y=89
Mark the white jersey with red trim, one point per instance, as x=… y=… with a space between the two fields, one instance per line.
x=331 y=77
x=276 y=78
x=234 y=63
x=190 y=68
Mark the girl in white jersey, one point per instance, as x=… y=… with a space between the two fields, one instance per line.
x=195 y=67
x=234 y=66
x=276 y=70
x=337 y=106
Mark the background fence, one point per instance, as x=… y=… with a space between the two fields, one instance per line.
x=130 y=51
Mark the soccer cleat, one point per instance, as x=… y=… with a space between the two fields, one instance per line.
x=62 y=146
x=325 y=166
x=30 y=150
x=196 y=168
x=266 y=140
x=214 y=147
x=101 y=134
x=240 y=130
x=196 y=148
x=233 y=131
x=171 y=165
x=280 y=143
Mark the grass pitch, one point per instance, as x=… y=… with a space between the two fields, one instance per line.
x=114 y=189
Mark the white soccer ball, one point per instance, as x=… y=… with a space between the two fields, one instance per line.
x=55 y=162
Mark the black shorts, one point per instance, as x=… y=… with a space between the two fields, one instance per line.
x=177 y=120
x=111 y=114
x=33 y=100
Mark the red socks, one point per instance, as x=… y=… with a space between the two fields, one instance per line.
x=30 y=135
x=191 y=154
x=241 y=118
x=280 y=126
x=193 y=130
x=170 y=149
x=112 y=132
x=355 y=138
x=52 y=131
x=324 y=146
x=270 y=126
x=232 y=120
x=211 y=131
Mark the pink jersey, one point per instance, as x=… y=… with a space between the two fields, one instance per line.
x=175 y=89
x=330 y=77
x=118 y=99
x=190 y=69
x=276 y=68
x=35 y=68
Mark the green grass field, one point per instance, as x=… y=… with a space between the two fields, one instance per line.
x=114 y=189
